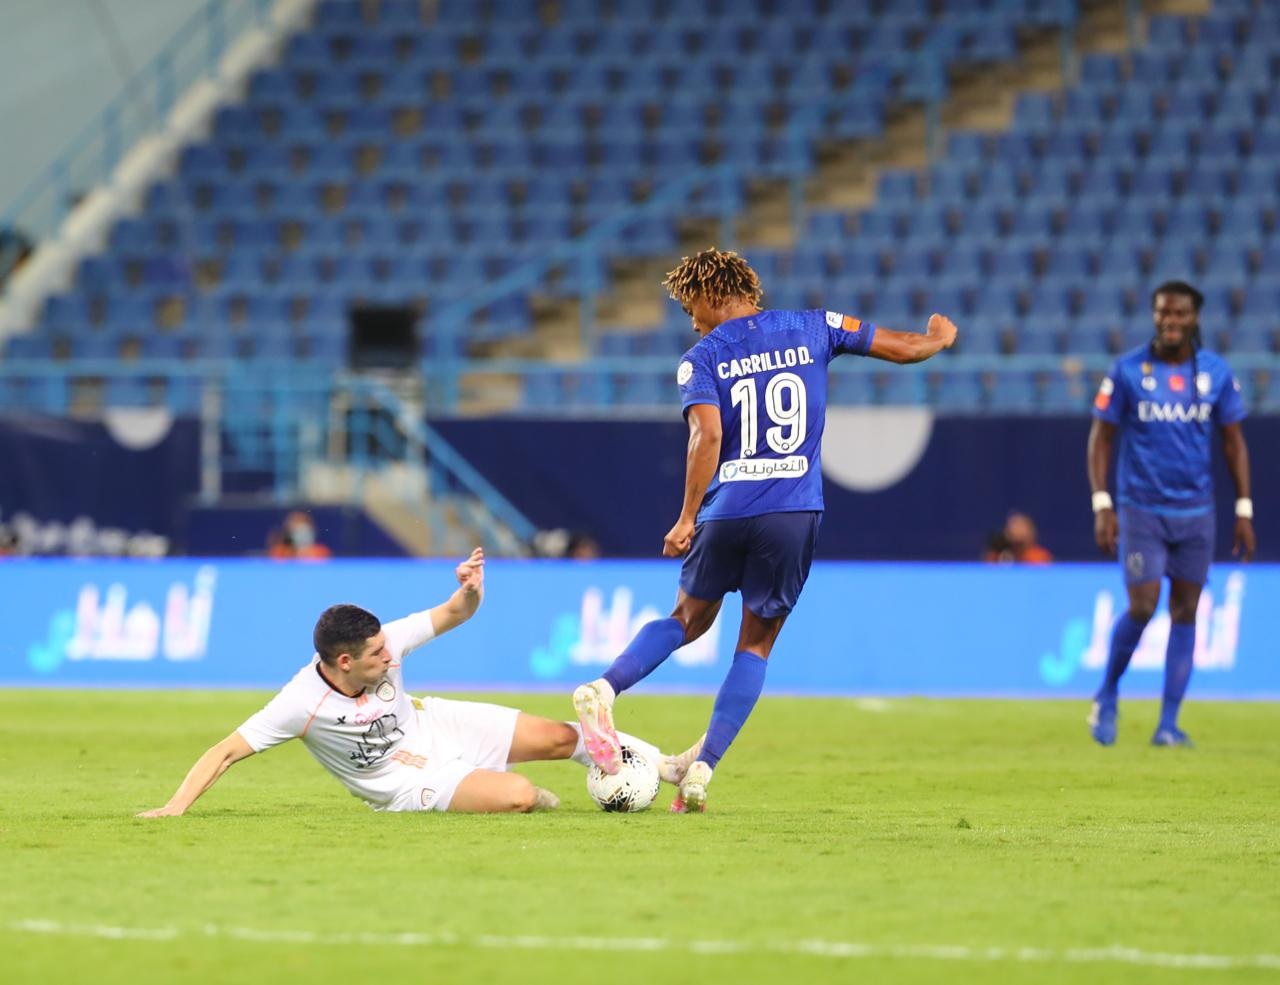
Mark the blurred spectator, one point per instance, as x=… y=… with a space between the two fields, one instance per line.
x=574 y=545
x=1016 y=543
x=582 y=547
x=296 y=540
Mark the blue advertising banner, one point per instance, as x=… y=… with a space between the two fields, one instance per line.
x=930 y=629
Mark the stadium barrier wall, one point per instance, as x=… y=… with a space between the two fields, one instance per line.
x=128 y=473
x=900 y=482
x=935 y=629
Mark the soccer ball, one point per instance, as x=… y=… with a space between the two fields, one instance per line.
x=633 y=788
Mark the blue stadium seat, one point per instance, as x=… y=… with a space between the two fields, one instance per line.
x=957 y=392
x=29 y=345
x=928 y=223
x=1242 y=222
x=900 y=389
x=966 y=148
x=1013 y=393
x=914 y=262
x=1100 y=71
x=1065 y=394
x=1069 y=261
x=854 y=388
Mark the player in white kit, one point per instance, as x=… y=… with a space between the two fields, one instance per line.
x=394 y=751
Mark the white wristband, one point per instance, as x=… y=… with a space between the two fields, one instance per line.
x=1244 y=508
x=1102 y=501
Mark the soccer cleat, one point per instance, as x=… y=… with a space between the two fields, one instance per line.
x=1172 y=736
x=693 y=790
x=544 y=800
x=594 y=706
x=678 y=806
x=1102 y=722
x=673 y=768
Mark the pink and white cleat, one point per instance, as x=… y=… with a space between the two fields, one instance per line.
x=594 y=704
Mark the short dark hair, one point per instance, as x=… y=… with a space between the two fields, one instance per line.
x=343 y=629
x=1179 y=287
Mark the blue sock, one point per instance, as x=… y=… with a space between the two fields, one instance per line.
x=1178 y=661
x=733 y=705
x=655 y=642
x=1124 y=640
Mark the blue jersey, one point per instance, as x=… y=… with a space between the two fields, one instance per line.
x=1165 y=414
x=768 y=375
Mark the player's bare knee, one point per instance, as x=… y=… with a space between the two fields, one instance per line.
x=562 y=740
x=691 y=624
x=1182 y=613
x=1141 y=611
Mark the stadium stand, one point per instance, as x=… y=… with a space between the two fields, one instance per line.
x=389 y=158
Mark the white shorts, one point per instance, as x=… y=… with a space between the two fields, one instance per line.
x=465 y=736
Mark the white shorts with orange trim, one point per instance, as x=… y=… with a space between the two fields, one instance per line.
x=465 y=736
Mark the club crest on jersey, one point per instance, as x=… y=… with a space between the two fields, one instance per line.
x=1203 y=384
x=685 y=373
x=1148 y=383
x=386 y=691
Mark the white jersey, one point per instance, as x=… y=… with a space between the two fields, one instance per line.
x=374 y=743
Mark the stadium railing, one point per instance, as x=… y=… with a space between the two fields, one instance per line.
x=277 y=420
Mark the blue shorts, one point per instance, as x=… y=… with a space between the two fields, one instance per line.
x=1153 y=545
x=767 y=557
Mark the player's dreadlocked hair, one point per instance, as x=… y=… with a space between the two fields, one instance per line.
x=718 y=276
x=1179 y=287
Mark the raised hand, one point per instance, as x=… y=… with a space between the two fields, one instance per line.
x=470 y=572
x=943 y=329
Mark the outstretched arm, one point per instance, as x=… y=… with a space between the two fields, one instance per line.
x=1106 y=528
x=1237 y=455
x=463 y=603
x=203 y=775
x=912 y=347
x=700 y=468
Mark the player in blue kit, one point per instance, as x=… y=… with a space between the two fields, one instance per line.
x=1164 y=399
x=754 y=392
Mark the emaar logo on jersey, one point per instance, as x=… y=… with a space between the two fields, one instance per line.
x=105 y=625
x=597 y=633
x=1150 y=410
x=1085 y=643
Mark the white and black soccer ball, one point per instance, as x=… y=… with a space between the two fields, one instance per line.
x=633 y=788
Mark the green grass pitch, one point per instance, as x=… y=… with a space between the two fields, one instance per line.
x=896 y=841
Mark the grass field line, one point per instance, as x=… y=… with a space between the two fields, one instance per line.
x=847 y=950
